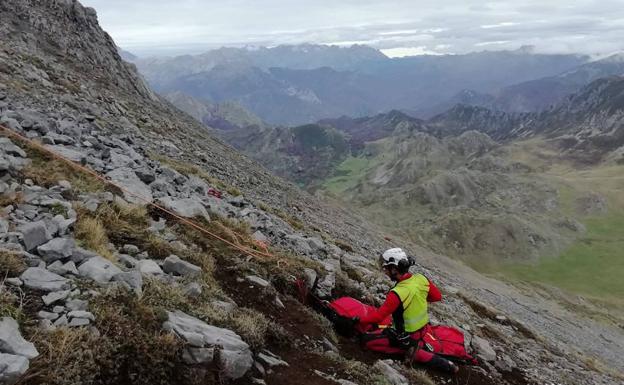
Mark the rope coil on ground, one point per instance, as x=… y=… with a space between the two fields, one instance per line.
x=30 y=142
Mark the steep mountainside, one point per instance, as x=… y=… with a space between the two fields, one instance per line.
x=302 y=84
x=223 y=116
x=539 y=94
x=586 y=126
x=105 y=290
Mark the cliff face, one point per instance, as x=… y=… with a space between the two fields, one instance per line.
x=66 y=33
x=63 y=84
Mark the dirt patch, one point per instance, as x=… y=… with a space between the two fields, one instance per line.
x=302 y=369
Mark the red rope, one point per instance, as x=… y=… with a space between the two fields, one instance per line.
x=91 y=172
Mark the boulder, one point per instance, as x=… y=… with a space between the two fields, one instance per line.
x=77 y=304
x=135 y=190
x=42 y=279
x=483 y=349
x=55 y=296
x=12 y=367
x=80 y=255
x=57 y=248
x=133 y=279
x=390 y=373
x=174 y=265
x=235 y=356
x=81 y=314
x=35 y=234
x=187 y=207
x=98 y=269
x=7 y=147
x=149 y=267
x=76 y=322
x=68 y=152
x=11 y=340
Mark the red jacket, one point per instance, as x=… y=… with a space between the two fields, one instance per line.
x=393 y=302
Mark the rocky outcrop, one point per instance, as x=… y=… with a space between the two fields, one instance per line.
x=234 y=356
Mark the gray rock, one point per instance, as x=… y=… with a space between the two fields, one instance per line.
x=257 y=281
x=76 y=304
x=13 y=282
x=81 y=314
x=278 y=302
x=326 y=285
x=299 y=244
x=80 y=255
x=187 y=207
x=11 y=340
x=149 y=267
x=133 y=279
x=174 y=265
x=42 y=279
x=12 y=367
x=99 y=269
x=310 y=277
x=259 y=236
x=56 y=296
x=193 y=289
x=317 y=245
x=76 y=322
x=390 y=373
x=329 y=346
x=58 y=248
x=7 y=147
x=483 y=349
x=137 y=191
x=4 y=226
x=226 y=307
x=70 y=268
x=271 y=360
x=146 y=175
x=235 y=356
x=35 y=234
x=128 y=261
x=61 y=321
x=58 y=309
x=67 y=152
x=65 y=185
x=63 y=224
x=195 y=356
x=130 y=249
x=47 y=315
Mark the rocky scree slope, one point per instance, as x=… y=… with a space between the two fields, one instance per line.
x=64 y=242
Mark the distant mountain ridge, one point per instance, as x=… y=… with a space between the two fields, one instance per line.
x=294 y=85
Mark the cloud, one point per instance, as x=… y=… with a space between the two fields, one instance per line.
x=148 y=27
x=408 y=51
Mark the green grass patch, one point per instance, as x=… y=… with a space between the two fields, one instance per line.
x=348 y=174
x=593 y=265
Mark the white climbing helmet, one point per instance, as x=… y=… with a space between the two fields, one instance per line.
x=393 y=257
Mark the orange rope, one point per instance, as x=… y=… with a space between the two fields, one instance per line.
x=89 y=171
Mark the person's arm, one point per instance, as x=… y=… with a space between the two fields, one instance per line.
x=389 y=306
x=434 y=294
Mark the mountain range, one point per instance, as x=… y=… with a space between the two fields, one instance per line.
x=302 y=84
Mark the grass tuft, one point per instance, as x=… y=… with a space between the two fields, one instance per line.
x=11 y=264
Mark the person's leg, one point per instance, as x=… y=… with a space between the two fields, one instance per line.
x=377 y=341
x=433 y=360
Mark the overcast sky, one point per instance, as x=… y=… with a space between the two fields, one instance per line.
x=398 y=27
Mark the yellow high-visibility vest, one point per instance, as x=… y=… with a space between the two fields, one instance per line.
x=413 y=293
